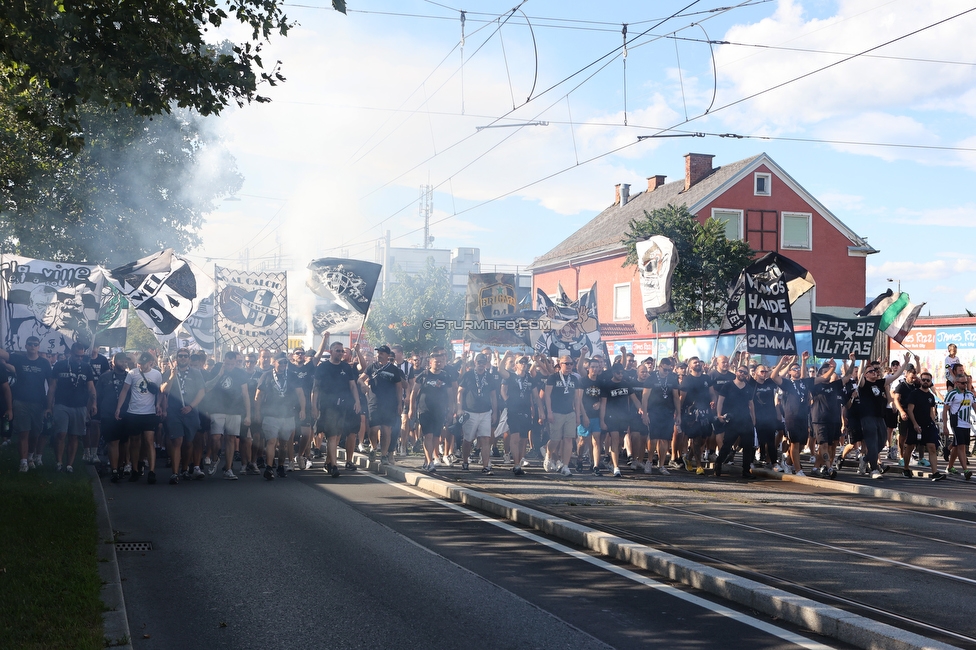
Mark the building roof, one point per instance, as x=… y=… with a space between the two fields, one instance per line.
x=602 y=235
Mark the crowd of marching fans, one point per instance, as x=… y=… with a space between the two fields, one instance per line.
x=269 y=413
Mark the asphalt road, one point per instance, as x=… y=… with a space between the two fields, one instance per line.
x=359 y=563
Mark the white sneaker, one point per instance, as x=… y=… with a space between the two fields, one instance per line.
x=23 y=465
x=875 y=474
x=664 y=471
x=565 y=471
x=526 y=463
x=85 y=456
x=559 y=465
x=507 y=458
x=198 y=473
x=649 y=469
x=434 y=464
x=799 y=472
x=229 y=475
x=616 y=472
x=547 y=464
x=447 y=461
x=69 y=469
x=674 y=465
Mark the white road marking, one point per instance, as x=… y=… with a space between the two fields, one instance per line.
x=745 y=619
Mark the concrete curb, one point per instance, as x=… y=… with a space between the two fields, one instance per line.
x=115 y=624
x=823 y=619
x=878 y=493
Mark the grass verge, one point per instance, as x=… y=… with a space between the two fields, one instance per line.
x=49 y=582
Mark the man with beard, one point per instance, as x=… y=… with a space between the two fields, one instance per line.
x=29 y=396
x=336 y=407
x=277 y=400
x=795 y=402
x=302 y=368
x=385 y=400
x=873 y=393
x=184 y=391
x=662 y=413
x=477 y=398
x=432 y=403
x=827 y=395
x=71 y=398
x=900 y=400
x=922 y=413
x=767 y=416
x=720 y=376
x=736 y=410
x=697 y=397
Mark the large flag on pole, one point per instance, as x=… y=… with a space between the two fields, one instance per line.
x=897 y=312
x=836 y=338
x=346 y=287
x=55 y=301
x=796 y=278
x=490 y=304
x=164 y=289
x=769 y=286
x=657 y=259
x=251 y=309
x=113 y=318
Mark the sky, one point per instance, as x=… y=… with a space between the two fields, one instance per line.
x=868 y=104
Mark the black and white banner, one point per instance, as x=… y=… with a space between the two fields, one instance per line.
x=837 y=338
x=346 y=288
x=770 y=285
x=492 y=297
x=164 y=289
x=113 y=318
x=657 y=259
x=54 y=301
x=796 y=281
x=251 y=309
x=200 y=325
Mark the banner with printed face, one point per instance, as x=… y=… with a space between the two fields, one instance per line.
x=491 y=299
x=837 y=338
x=346 y=287
x=569 y=329
x=200 y=325
x=54 y=301
x=657 y=259
x=250 y=309
x=164 y=289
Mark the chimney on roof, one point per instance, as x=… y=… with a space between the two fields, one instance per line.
x=697 y=167
x=616 y=194
x=654 y=182
x=624 y=194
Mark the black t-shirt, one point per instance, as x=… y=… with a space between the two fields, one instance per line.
x=796 y=397
x=618 y=398
x=304 y=375
x=660 y=392
x=333 y=380
x=923 y=400
x=850 y=390
x=519 y=391
x=720 y=379
x=435 y=391
x=108 y=388
x=874 y=400
x=592 y=393
x=29 y=382
x=278 y=397
x=477 y=391
x=73 y=377
x=563 y=394
x=383 y=380
x=3 y=380
x=697 y=396
x=826 y=408
x=225 y=397
x=735 y=406
x=764 y=400
x=904 y=392
x=99 y=364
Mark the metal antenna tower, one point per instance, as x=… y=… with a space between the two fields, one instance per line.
x=426 y=208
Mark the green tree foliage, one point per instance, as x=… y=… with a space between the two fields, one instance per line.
x=398 y=315
x=137 y=185
x=147 y=56
x=708 y=263
x=138 y=336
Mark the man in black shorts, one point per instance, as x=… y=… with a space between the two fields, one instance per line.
x=661 y=402
x=432 y=403
x=697 y=396
x=922 y=413
x=71 y=398
x=827 y=414
x=336 y=407
x=736 y=410
x=795 y=403
x=29 y=393
x=517 y=392
x=108 y=388
x=385 y=400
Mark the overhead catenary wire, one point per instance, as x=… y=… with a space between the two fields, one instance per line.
x=727 y=105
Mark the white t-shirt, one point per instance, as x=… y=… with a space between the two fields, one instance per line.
x=949 y=362
x=141 y=401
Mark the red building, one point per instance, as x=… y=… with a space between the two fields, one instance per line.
x=758 y=201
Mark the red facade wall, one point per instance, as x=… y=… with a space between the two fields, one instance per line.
x=840 y=278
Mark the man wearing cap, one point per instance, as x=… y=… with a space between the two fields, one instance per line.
x=277 y=400
x=477 y=398
x=336 y=407
x=385 y=399
x=564 y=408
x=32 y=373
